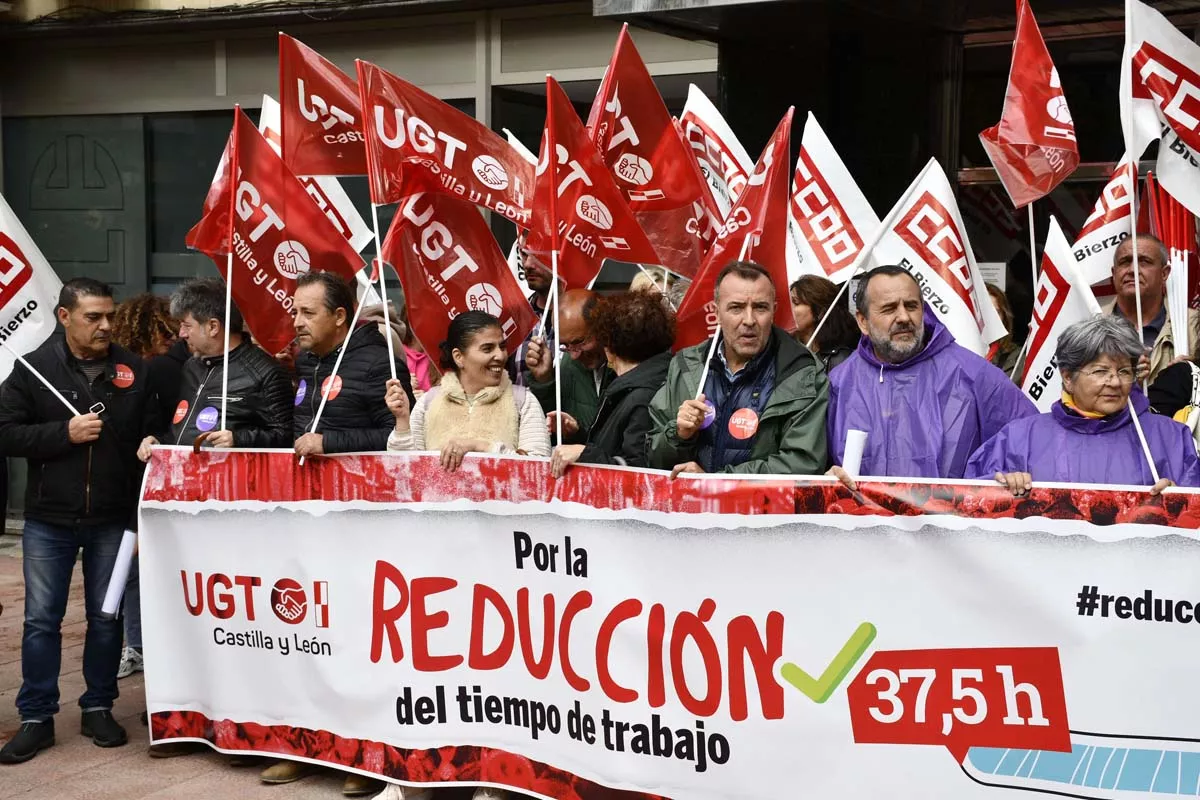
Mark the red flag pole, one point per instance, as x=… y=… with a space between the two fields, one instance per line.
x=552 y=166
x=233 y=173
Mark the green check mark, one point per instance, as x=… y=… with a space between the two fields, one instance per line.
x=821 y=689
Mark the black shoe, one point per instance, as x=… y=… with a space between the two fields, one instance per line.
x=32 y=738
x=103 y=730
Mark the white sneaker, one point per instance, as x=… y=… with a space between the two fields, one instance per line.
x=394 y=791
x=131 y=662
x=488 y=793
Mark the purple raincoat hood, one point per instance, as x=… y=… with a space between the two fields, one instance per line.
x=937 y=339
x=1097 y=427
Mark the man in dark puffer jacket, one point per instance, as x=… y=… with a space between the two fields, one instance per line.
x=259 y=392
x=355 y=417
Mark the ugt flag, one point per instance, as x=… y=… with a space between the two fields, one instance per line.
x=321 y=126
x=724 y=163
x=276 y=232
x=636 y=137
x=417 y=143
x=28 y=291
x=1160 y=85
x=449 y=262
x=590 y=220
x=755 y=230
x=1033 y=146
x=828 y=215
x=1061 y=298
x=927 y=237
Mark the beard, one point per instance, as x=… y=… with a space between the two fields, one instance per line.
x=891 y=352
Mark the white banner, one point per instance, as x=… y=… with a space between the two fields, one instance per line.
x=495 y=626
x=29 y=290
x=828 y=215
x=929 y=239
x=1061 y=299
x=725 y=163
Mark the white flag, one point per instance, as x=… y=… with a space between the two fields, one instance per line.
x=1061 y=298
x=28 y=291
x=514 y=257
x=1160 y=99
x=1109 y=224
x=724 y=162
x=928 y=239
x=828 y=215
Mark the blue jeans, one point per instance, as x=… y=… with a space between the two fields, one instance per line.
x=49 y=559
x=131 y=607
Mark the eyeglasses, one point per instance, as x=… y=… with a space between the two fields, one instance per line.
x=574 y=344
x=1106 y=375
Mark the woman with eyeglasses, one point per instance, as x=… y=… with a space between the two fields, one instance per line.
x=1089 y=435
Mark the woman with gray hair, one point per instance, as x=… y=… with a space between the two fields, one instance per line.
x=1089 y=436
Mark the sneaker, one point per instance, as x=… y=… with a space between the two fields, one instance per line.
x=357 y=785
x=32 y=738
x=131 y=662
x=394 y=791
x=102 y=729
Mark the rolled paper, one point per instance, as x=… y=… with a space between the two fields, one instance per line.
x=856 y=441
x=120 y=574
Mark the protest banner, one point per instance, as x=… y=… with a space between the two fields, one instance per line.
x=695 y=638
x=29 y=290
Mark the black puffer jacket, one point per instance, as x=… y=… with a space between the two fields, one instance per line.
x=356 y=418
x=77 y=484
x=260 y=399
x=623 y=421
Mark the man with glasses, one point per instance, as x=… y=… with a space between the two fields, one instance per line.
x=585 y=372
x=1153 y=271
x=925 y=401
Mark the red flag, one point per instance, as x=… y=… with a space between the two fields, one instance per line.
x=761 y=212
x=634 y=132
x=594 y=222
x=276 y=231
x=319 y=111
x=417 y=143
x=449 y=262
x=1033 y=146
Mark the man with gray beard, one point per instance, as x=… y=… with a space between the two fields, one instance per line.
x=925 y=401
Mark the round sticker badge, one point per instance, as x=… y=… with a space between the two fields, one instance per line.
x=710 y=414
x=124 y=377
x=206 y=420
x=180 y=412
x=743 y=424
x=332 y=386
x=301 y=391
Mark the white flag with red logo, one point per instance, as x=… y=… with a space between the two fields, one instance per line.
x=593 y=220
x=276 y=232
x=1061 y=298
x=929 y=239
x=1033 y=146
x=634 y=132
x=724 y=162
x=449 y=262
x=1160 y=98
x=828 y=215
x=321 y=131
x=1109 y=224
x=28 y=291
x=417 y=143
x=755 y=230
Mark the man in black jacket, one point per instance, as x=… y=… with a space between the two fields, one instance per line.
x=355 y=417
x=82 y=492
x=259 y=391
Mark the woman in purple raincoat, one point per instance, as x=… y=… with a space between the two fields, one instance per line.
x=1089 y=436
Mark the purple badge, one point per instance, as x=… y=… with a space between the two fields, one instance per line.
x=301 y=391
x=709 y=415
x=206 y=420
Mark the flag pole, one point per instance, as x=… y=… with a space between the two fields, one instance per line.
x=747 y=243
x=1137 y=426
x=233 y=172
x=42 y=378
x=387 y=322
x=337 y=364
x=1033 y=262
x=552 y=166
x=1129 y=135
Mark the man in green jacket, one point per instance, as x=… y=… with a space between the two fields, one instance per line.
x=766 y=393
x=584 y=368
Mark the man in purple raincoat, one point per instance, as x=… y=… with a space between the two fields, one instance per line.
x=1089 y=436
x=925 y=402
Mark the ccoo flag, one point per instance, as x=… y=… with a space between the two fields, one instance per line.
x=723 y=161
x=1033 y=147
x=28 y=291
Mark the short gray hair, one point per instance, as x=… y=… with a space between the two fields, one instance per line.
x=1163 y=255
x=1098 y=335
x=204 y=299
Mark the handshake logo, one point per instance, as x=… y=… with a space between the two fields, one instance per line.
x=490 y=172
x=595 y=212
x=291 y=259
x=634 y=169
x=289 y=601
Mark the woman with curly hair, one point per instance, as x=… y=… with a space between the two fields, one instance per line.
x=636 y=330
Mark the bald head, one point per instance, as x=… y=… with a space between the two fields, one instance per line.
x=574 y=332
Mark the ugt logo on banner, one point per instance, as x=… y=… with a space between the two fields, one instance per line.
x=240 y=597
